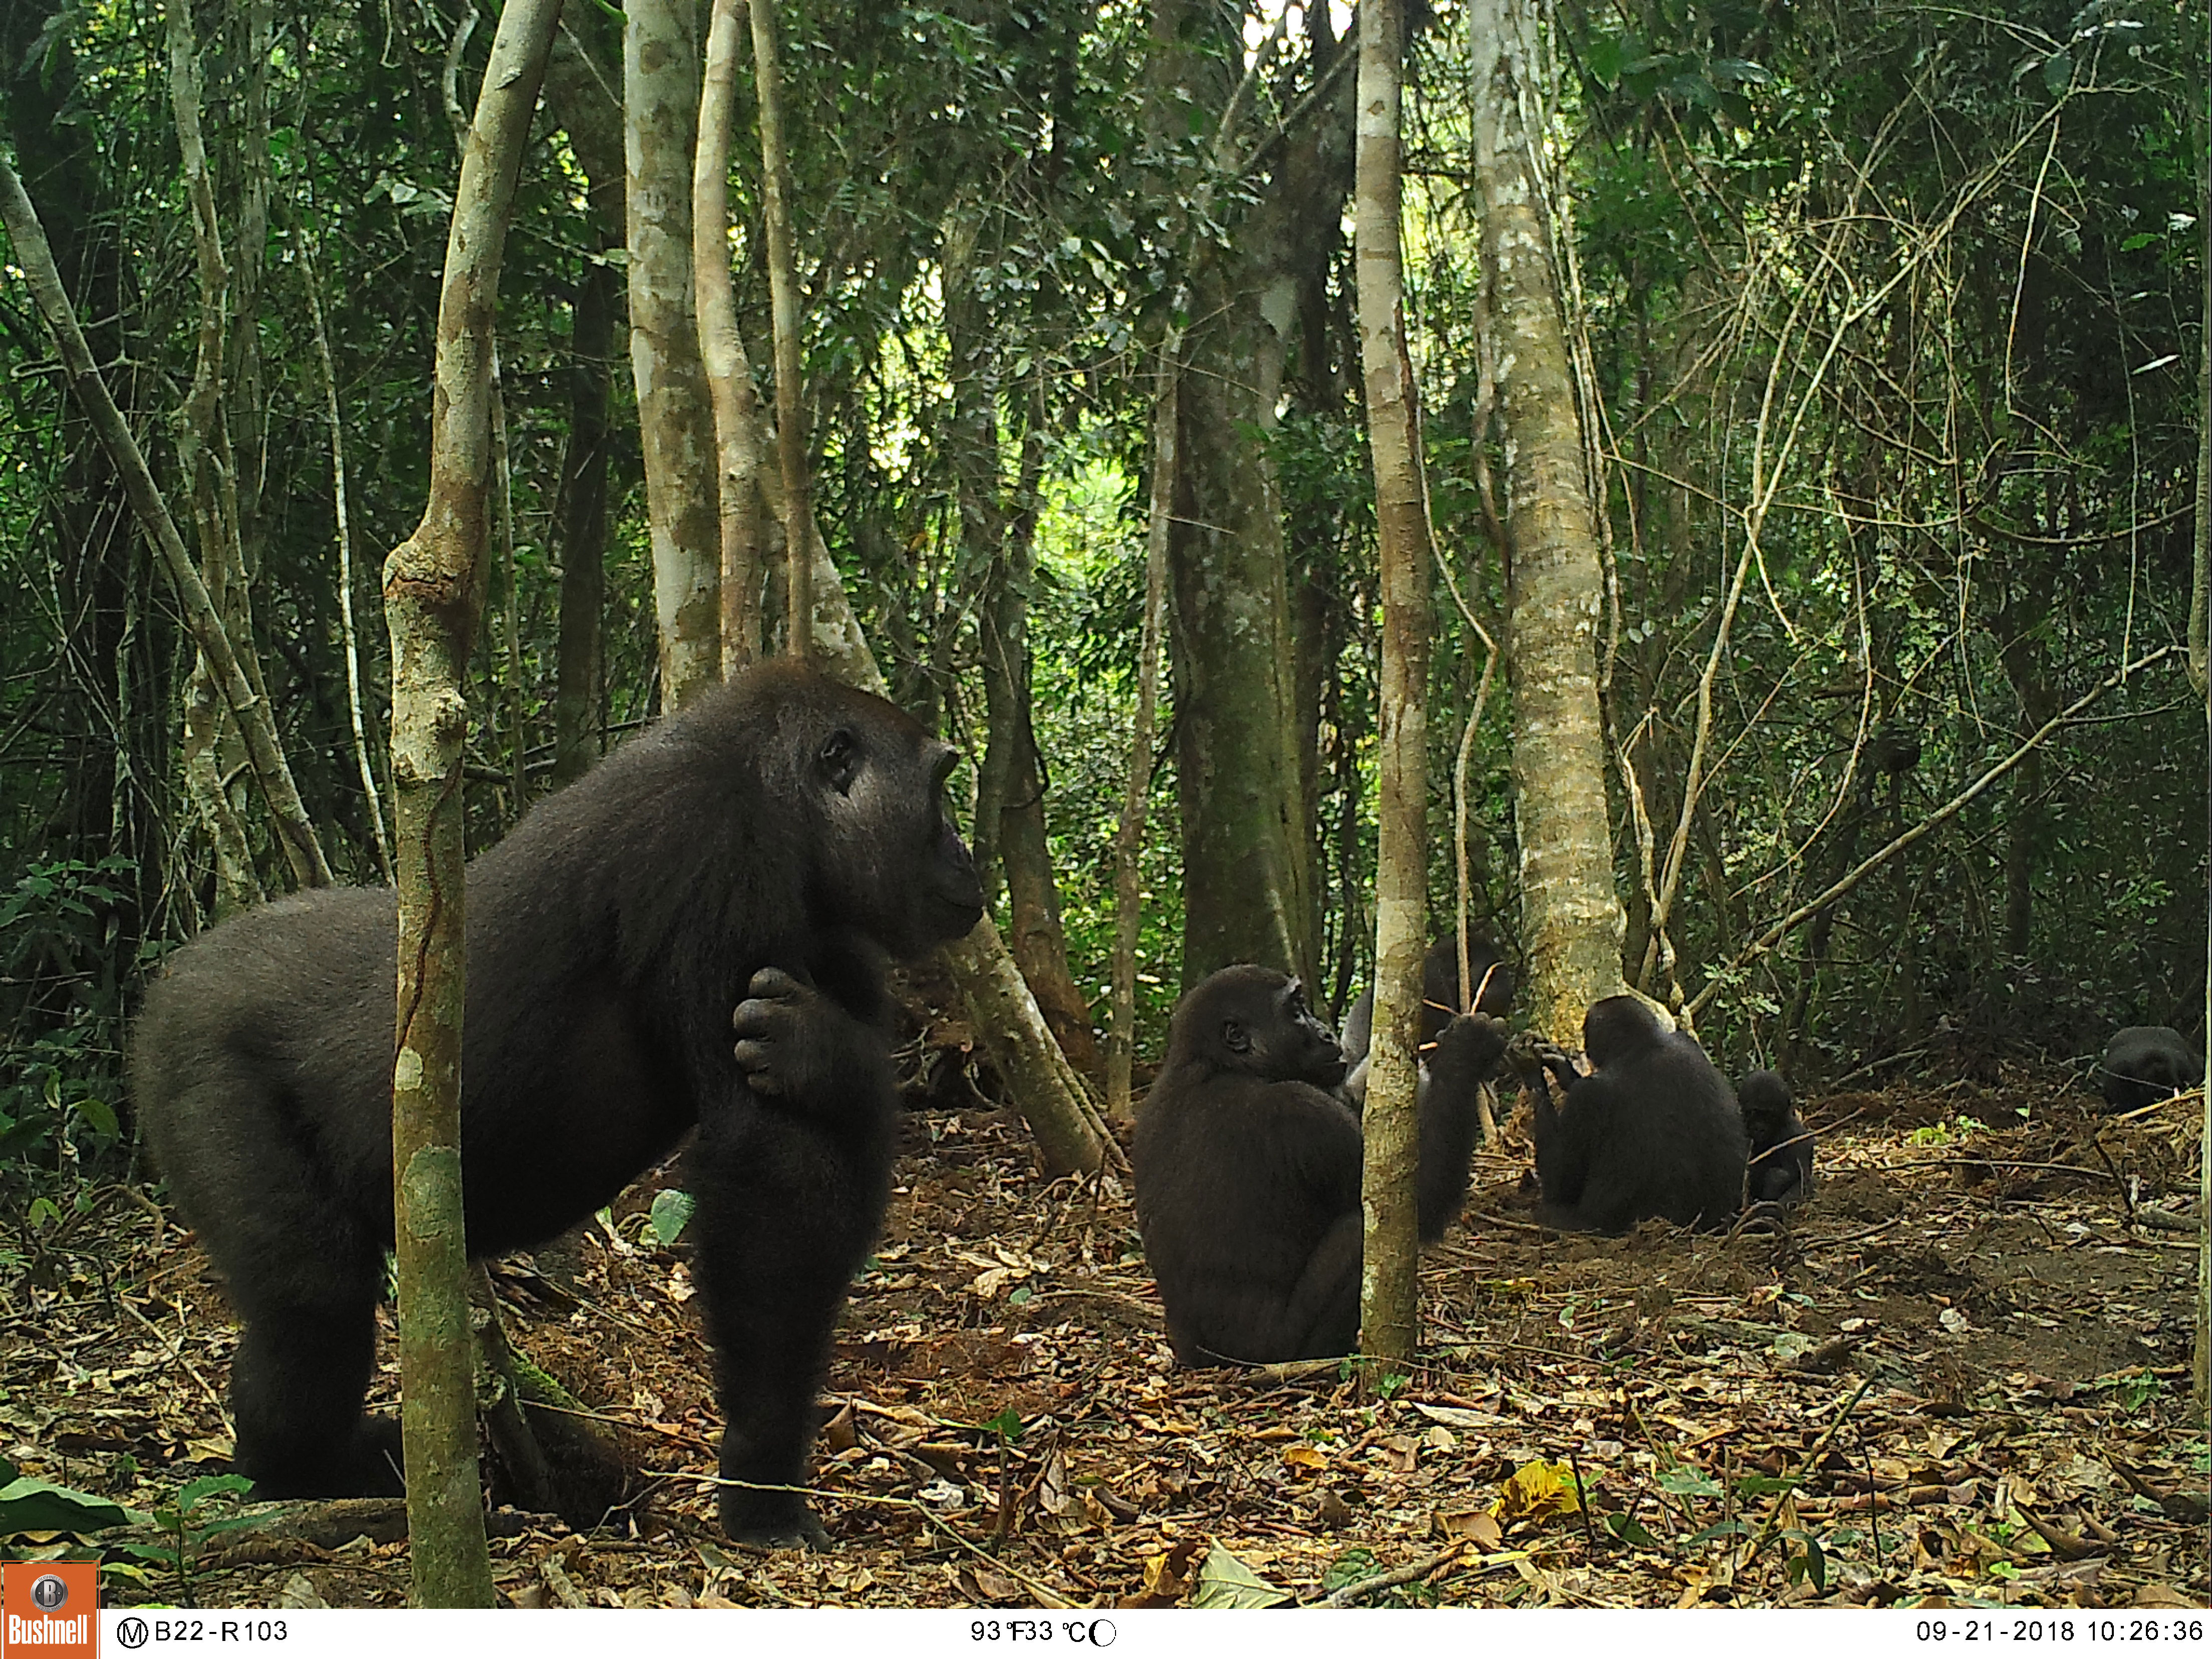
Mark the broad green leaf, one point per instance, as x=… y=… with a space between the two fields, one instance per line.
x=27 y=1504
x=671 y=1209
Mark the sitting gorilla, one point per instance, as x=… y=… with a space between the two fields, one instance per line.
x=1248 y=1169
x=2147 y=1063
x=761 y=850
x=1781 y=1169
x=1653 y=1130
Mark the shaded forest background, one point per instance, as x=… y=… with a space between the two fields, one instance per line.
x=1887 y=323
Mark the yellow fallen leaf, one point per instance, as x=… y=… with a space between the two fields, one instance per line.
x=1538 y=1491
x=1309 y=1459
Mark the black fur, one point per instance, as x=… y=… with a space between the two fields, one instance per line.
x=2147 y=1063
x=1248 y=1164
x=1781 y=1167
x=761 y=850
x=1653 y=1130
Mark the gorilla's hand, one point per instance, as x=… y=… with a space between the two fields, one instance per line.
x=1470 y=1047
x=791 y=1039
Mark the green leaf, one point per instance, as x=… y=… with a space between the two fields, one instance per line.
x=671 y=1209
x=43 y=1213
x=1630 y=1530
x=32 y=1506
x=1225 y=1582
x=208 y=1485
x=102 y=1116
x=2058 y=73
x=1684 y=1481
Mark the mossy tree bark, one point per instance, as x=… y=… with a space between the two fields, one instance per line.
x=675 y=418
x=432 y=594
x=1572 y=921
x=1390 y=1322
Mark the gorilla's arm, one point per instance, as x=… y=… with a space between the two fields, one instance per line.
x=1465 y=1056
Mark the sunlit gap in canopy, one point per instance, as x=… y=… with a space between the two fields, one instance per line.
x=1267 y=13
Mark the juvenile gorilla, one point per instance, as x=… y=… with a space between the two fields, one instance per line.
x=2146 y=1063
x=1654 y=1130
x=1441 y=1000
x=762 y=850
x=1248 y=1169
x=1781 y=1167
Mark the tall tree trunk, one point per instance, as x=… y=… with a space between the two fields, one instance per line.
x=433 y=591
x=1571 y=914
x=676 y=423
x=578 y=93
x=783 y=304
x=1247 y=844
x=1389 y=1321
x=729 y=377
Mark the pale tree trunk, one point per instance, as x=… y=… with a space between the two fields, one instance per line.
x=1129 y=837
x=211 y=741
x=1571 y=915
x=676 y=424
x=1390 y=1322
x=783 y=304
x=295 y=833
x=433 y=595
x=729 y=379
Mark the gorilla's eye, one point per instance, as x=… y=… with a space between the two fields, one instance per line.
x=840 y=760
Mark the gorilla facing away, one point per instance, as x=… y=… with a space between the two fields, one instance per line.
x=1781 y=1165
x=761 y=851
x=2147 y=1063
x=1248 y=1165
x=1653 y=1130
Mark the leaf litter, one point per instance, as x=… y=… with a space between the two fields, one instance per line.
x=1958 y=1376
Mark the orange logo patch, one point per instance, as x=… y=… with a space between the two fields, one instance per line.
x=52 y=1610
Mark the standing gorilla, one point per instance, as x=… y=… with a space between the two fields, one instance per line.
x=2147 y=1063
x=1654 y=1130
x=1781 y=1169
x=1248 y=1169
x=763 y=850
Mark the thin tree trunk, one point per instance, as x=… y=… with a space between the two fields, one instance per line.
x=348 y=634
x=295 y=832
x=1571 y=919
x=720 y=348
x=1129 y=837
x=584 y=526
x=676 y=423
x=502 y=512
x=433 y=593
x=783 y=299
x=1390 y=1316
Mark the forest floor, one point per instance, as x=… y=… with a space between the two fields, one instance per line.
x=1960 y=1373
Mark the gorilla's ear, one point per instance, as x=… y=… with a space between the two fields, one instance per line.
x=1235 y=1037
x=840 y=760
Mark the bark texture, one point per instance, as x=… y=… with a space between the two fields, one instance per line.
x=1570 y=914
x=432 y=594
x=1247 y=844
x=676 y=423
x=783 y=300
x=729 y=377
x=1390 y=1124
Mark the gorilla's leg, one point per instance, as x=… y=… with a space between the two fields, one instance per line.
x=1323 y=1315
x=785 y=1217
x=295 y=1392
